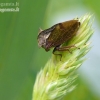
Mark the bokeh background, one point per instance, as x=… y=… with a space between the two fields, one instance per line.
x=21 y=58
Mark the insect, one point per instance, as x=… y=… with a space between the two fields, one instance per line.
x=58 y=34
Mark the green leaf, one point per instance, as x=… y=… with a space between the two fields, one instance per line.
x=18 y=48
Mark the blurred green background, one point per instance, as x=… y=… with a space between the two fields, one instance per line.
x=20 y=57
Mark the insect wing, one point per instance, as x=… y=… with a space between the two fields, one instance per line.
x=62 y=33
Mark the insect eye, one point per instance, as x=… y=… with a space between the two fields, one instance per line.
x=41 y=41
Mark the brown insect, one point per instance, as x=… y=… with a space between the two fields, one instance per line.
x=57 y=35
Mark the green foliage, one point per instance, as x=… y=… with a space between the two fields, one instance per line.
x=56 y=79
x=20 y=58
x=18 y=48
x=81 y=92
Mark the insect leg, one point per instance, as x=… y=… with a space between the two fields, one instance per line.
x=64 y=48
x=55 y=49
